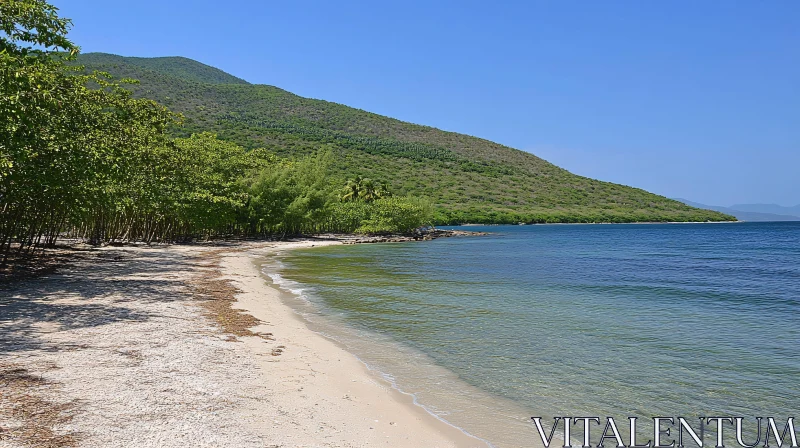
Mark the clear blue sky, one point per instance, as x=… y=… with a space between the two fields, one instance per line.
x=689 y=99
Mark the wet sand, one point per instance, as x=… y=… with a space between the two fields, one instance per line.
x=118 y=349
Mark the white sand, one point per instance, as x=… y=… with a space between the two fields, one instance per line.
x=124 y=341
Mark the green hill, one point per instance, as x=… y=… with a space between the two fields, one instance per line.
x=176 y=66
x=467 y=178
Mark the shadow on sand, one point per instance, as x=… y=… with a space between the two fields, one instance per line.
x=68 y=299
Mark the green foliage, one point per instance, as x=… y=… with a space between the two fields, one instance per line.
x=294 y=197
x=467 y=179
x=81 y=155
x=67 y=152
x=363 y=189
x=201 y=176
x=382 y=216
x=346 y=217
x=290 y=197
x=28 y=24
x=395 y=215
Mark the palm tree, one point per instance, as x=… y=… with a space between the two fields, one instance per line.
x=368 y=191
x=364 y=189
x=351 y=190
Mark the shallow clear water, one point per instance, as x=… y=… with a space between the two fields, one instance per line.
x=580 y=320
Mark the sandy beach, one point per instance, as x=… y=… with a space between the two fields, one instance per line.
x=145 y=347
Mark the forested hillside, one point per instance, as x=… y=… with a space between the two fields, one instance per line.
x=468 y=179
x=81 y=157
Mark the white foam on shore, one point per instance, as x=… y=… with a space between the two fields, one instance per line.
x=287 y=285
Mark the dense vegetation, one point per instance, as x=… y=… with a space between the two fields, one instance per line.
x=466 y=178
x=192 y=152
x=81 y=156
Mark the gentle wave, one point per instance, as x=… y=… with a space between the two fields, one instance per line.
x=572 y=320
x=349 y=337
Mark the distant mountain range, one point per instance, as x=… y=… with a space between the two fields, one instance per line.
x=753 y=212
x=467 y=179
x=768 y=208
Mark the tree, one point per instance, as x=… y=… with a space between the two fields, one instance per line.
x=81 y=156
x=291 y=197
x=351 y=189
x=364 y=189
x=32 y=94
x=67 y=152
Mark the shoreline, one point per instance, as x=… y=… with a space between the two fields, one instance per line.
x=155 y=347
x=601 y=223
x=405 y=423
x=493 y=420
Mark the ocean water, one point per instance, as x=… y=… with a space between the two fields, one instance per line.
x=568 y=320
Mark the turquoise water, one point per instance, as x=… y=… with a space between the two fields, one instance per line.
x=580 y=320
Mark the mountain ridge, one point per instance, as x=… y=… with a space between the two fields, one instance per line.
x=168 y=65
x=468 y=179
x=768 y=208
x=743 y=215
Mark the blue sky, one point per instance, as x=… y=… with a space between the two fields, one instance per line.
x=689 y=99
